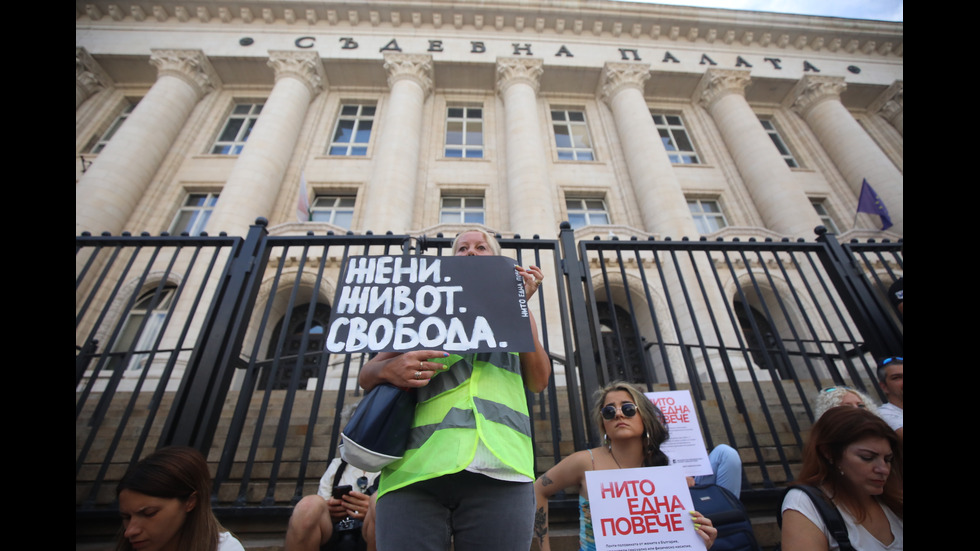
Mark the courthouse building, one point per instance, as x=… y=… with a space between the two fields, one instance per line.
x=431 y=116
x=424 y=116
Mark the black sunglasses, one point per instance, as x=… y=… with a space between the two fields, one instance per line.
x=609 y=412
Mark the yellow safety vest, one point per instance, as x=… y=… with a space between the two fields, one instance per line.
x=480 y=397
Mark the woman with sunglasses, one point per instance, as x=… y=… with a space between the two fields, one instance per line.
x=632 y=435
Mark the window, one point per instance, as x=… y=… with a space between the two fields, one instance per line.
x=571 y=135
x=464 y=132
x=137 y=340
x=465 y=210
x=335 y=209
x=353 y=132
x=679 y=148
x=825 y=218
x=104 y=140
x=193 y=215
x=707 y=215
x=779 y=143
x=240 y=122
x=586 y=212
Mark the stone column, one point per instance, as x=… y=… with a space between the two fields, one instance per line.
x=89 y=77
x=781 y=201
x=529 y=192
x=658 y=192
x=108 y=192
x=817 y=99
x=257 y=177
x=390 y=193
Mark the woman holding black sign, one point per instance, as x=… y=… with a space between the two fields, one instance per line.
x=633 y=430
x=465 y=479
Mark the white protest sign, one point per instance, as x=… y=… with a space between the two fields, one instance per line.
x=685 y=446
x=642 y=510
x=456 y=304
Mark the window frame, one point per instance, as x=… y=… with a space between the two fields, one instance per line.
x=826 y=218
x=465 y=121
x=575 y=152
x=338 y=197
x=676 y=155
x=353 y=148
x=585 y=211
x=777 y=140
x=248 y=118
x=701 y=216
x=194 y=221
x=462 y=210
x=104 y=139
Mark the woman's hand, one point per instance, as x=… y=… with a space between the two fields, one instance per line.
x=704 y=528
x=404 y=370
x=356 y=504
x=533 y=276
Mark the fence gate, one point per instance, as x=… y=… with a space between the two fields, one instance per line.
x=217 y=342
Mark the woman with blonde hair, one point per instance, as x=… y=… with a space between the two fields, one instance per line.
x=834 y=396
x=165 y=504
x=633 y=431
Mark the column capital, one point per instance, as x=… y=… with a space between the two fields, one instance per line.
x=718 y=83
x=511 y=70
x=303 y=66
x=89 y=75
x=414 y=67
x=814 y=89
x=618 y=76
x=191 y=66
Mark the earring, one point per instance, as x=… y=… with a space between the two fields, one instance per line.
x=605 y=438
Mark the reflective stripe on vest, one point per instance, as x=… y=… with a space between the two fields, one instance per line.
x=480 y=397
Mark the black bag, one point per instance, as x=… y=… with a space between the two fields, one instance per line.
x=828 y=512
x=378 y=431
x=727 y=515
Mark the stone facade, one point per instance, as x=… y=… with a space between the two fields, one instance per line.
x=557 y=99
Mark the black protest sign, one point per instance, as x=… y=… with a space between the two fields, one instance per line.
x=456 y=304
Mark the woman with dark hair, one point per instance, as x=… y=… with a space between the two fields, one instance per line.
x=855 y=459
x=633 y=430
x=165 y=504
x=470 y=463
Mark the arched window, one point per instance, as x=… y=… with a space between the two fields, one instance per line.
x=278 y=376
x=136 y=342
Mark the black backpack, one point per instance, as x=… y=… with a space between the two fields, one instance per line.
x=728 y=515
x=828 y=512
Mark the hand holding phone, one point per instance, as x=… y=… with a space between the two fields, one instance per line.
x=340 y=491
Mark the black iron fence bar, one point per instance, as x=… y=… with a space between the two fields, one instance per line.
x=879 y=330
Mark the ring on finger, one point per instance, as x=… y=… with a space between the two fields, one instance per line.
x=418 y=375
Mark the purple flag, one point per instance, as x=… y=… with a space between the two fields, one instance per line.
x=870 y=203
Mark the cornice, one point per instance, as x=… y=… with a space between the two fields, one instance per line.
x=598 y=18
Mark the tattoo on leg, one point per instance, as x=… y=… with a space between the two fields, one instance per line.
x=545 y=481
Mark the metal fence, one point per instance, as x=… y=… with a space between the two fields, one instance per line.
x=217 y=342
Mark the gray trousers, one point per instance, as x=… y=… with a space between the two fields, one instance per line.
x=471 y=511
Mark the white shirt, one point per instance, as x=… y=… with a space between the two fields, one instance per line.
x=861 y=539
x=892 y=414
x=227 y=542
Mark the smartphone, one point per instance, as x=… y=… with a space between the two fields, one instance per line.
x=340 y=491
